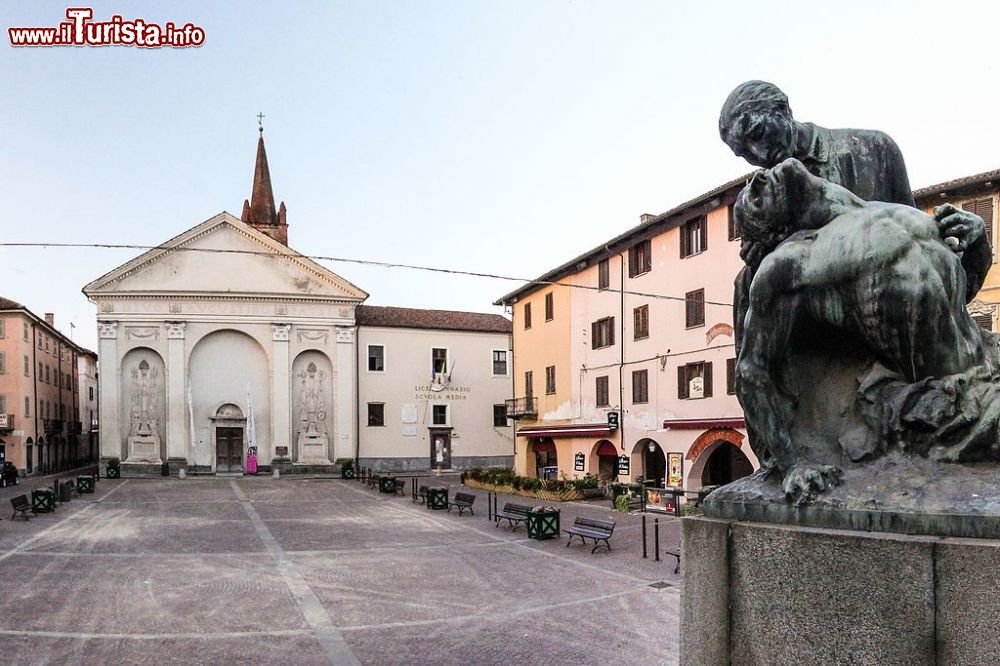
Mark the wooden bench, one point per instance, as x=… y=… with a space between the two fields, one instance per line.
x=462 y=502
x=21 y=506
x=591 y=528
x=513 y=514
x=677 y=554
x=421 y=495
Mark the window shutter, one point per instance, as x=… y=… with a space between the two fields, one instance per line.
x=984 y=209
x=730 y=375
x=985 y=321
x=682 y=382
x=689 y=310
x=708 y=379
x=684 y=241
x=700 y=306
x=594 y=342
x=611 y=331
x=631 y=262
x=703 y=223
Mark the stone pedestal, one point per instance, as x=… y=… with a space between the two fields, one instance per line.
x=313 y=449
x=144 y=449
x=774 y=594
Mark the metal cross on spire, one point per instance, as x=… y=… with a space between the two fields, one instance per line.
x=260 y=122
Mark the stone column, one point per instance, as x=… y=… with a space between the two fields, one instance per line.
x=346 y=381
x=281 y=382
x=178 y=420
x=112 y=443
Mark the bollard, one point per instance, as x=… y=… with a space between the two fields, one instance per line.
x=656 y=537
x=182 y=473
x=275 y=474
x=413 y=489
x=489 y=504
x=644 y=536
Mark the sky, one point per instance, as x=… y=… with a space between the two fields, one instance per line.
x=496 y=137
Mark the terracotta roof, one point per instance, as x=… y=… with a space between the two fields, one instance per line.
x=7 y=304
x=446 y=320
x=657 y=224
x=959 y=184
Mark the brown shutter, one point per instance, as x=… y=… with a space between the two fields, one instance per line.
x=700 y=306
x=689 y=309
x=704 y=234
x=985 y=321
x=984 y=209
x=730 y=375
x=593 y=336
x=708 y=380
x=682 y=382
x=684 y=240
x=648 y=263
x=611 y=331
x=631 y=262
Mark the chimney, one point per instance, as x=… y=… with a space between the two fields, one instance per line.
x=50 y=319
x=646 y=218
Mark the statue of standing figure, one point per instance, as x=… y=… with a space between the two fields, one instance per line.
x=852 y=336
x=144 y=420
x=312 y=402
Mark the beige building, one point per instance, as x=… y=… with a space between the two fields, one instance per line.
x=40 y=426
x=432 y=387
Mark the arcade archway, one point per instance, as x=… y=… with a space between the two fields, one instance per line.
x=654 y=461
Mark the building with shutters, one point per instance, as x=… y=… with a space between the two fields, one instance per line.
x=638 y=331
x=977 y=194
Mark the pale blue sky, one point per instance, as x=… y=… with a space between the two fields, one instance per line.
x=503 y=137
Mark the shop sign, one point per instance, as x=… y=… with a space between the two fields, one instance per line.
x=578 y=461
x=675 y=469
x=613 y=420
x=623 y=465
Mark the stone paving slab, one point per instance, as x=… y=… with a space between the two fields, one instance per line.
x=257 y=570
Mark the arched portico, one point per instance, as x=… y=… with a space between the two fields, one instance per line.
x=718 y=457
x=603 y=462
x=649 y=461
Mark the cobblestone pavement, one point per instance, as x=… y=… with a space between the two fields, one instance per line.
x=320 y=571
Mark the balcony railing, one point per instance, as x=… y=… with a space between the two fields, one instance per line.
x=519 y=408
x=6 y=421
x=52 y=425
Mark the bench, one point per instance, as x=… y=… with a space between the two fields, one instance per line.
x=591 y=528
x=21 y=506
x=421 y=495
x=462 y=502
x=677 y=554
x=513 y=514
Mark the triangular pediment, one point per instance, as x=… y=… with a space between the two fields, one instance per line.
x=224 y=256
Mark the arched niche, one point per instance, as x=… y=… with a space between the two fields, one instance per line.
x=312 y=415
x=143 y=403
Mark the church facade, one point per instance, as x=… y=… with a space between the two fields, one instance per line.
x=223 y=346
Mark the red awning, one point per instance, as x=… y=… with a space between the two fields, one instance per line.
x=584 y=430
x=545 y=447
x=704 y=424
x=607 y=449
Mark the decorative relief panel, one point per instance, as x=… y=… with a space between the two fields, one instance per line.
x=175 y=330
x=107 y=307
x=174 y=308
x=142 y=332
x=313 y=335
x=280 y=332
x=280 y=309
x=108 y=330
x=345 y=335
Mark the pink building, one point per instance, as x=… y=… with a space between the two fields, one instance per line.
x=658 y=354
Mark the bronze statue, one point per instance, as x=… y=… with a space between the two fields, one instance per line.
x=866 y=296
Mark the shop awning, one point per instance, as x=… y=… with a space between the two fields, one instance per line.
x=583 y=430
x=607 y=449
x=703 y=424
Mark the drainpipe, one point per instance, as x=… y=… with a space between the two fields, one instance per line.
x=621 y=364
x=34 y=373
x=357 y=397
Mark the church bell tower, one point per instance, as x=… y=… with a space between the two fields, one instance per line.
x=259 y=211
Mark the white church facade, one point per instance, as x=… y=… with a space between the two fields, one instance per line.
x=223 y=350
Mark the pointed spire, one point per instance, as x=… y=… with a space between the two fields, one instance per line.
x=259 y=211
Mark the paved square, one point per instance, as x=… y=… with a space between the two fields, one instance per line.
x=257 y=570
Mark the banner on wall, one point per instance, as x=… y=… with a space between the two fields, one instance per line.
x=675 y=469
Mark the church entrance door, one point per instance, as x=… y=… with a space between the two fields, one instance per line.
x=228 y=450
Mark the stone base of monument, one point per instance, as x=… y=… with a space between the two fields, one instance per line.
x=131 y=470
x=313 y=449
x=144 y=449
x=776 y=594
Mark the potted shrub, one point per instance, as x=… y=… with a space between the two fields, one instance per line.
x=346 y=468
x=543 y=523
x=113 y=468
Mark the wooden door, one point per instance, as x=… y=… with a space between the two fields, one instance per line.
x=229 y=449
x=440 y=449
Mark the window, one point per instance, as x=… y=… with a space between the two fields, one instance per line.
x=69 y=382
x=529 y=384
x=40 y=337
x=439 y=361
x=439 y=415
x=601 y=389
x=3 y=365
x=640 y=258
x=984 y=320
x=694 y=308
x=499 y=362
x=499 y=416
x=984 y=209
x=527 y=316
x=550 y=379
x=3 y=328
x=25 y=331
x=376 y=414
x=640 y=386
x=694 y=237
x=27 y=366
x=90 y=392
x=640 y=322
x=376 y=358
x=603 y=274
x=602 y=333
x=734 y=233
x=48 y=377
x=694 y=380
x=730 y=376
x=27 y=407
x=549 y=306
